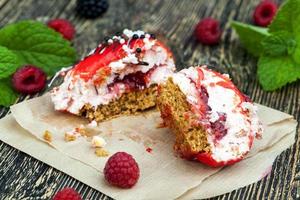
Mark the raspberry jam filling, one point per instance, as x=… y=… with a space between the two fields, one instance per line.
x=132 y=82
x=202 y=108
x=219 y=127
x=203 y=103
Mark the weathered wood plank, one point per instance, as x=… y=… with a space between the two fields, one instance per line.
x=24 y=177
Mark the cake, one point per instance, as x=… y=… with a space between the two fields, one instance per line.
x=119 y=77
x=213 y=121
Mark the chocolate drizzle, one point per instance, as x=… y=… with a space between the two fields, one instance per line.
x=143 y=63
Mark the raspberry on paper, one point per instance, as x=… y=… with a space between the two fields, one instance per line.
x=67 y=194
x=121 y=170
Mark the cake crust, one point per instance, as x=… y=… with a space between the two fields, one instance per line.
x=129 y=103
x=191 y=138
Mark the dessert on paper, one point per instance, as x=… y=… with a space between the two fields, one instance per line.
x=103 y=118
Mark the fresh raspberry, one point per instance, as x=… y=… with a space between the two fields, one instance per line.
x=64 y=27
x=121 y=170
x=91 y=8
x=67 y=194
x=208 y=31
x=29 y=80
x=264 y=13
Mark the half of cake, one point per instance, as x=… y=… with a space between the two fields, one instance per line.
x=213 y=121
x=119 y=77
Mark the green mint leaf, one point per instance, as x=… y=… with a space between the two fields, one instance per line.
x=34 y=43
x=251 y=37
x=296 y=54
x=279 y=44
x=7 y=95
x=275 y=72
x=287 y=18
x=9 y=62
x=280 y=64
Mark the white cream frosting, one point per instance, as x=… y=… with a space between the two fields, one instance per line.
x=222 y=100
x=92 y=124
x=75 y=92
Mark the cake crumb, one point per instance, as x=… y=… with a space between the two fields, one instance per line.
x=70 y=137
x=86 y=131
x=47 y=136
x=81 y=130
x=98 y=142
x=100 y=152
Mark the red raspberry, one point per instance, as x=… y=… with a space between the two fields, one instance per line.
x=29 y=80
x=67 y=194
x=208 y=31
x=64 y=27
x=264 y=13
x=121 y=170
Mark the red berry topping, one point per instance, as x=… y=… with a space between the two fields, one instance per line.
x=264 y=13
x=207 y=159
x=67 y=194
x=29 y=80
x=122 y=170
x=64 y=27
x=208 y=31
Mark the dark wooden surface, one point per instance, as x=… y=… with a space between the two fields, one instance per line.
x=23 y=177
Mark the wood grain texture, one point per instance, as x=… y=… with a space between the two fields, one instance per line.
x=23 y=177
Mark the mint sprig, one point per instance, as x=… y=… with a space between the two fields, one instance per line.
x=279 y=44
x=278 y=48
x=7 y=95
x=30 y=42
x=251 y=36
x=9 y=62
x=34 y=43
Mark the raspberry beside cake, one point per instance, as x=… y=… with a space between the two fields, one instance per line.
x=213 y=121
x=119 y=77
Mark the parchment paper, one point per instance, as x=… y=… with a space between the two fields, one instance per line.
x=163 y=176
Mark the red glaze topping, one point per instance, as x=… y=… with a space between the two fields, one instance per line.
x=103 y=56
x=200 y=77
x=88 y=67
x=229 y=85
x=207 y=159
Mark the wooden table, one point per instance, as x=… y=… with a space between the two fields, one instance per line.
x=23 y=177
